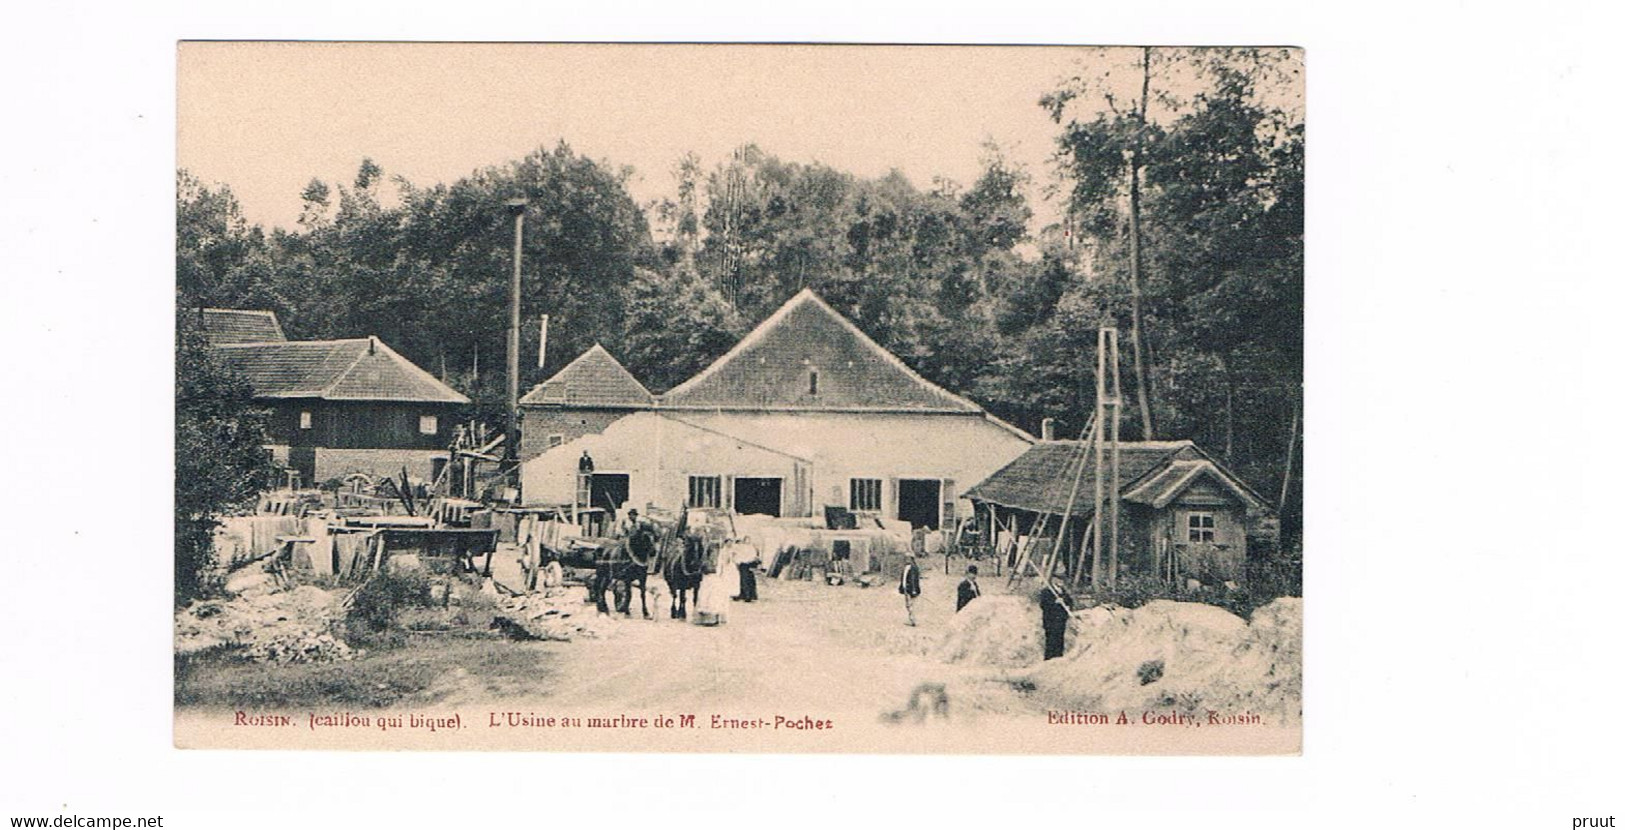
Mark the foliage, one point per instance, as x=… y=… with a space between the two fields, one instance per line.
x=946 y=276
x=220 y=457
x=676 y=325
x=1222 y=225
x=378 y=602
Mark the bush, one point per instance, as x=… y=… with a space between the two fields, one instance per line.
x=1131 y=591
x=381 y=599
x=220 y=459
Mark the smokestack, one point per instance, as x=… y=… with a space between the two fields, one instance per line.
x=1047 y=431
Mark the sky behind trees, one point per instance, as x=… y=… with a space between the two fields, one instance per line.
x=265 y=118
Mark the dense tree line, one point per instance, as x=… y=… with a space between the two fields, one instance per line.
x=948 y=277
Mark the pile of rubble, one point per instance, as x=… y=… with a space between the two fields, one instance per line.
x=1183 y=656
x=552 y=614
x=266 y=625
x=995 y=630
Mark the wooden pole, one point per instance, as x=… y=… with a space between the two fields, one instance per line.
x=516 y=207
x=1291 y=450
x=1115 y=492
x=1091 y=432
x=1096 y=573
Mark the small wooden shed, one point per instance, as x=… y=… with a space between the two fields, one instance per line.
x=1182 y=516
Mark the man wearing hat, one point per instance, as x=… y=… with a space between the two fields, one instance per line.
x=968 y=589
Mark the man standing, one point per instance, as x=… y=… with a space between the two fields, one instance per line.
x=584 y=466
x=909 y=585
x=968 y=589
x=1055 y=604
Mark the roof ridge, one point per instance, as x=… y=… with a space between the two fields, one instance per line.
x=263 y=343
x=409 y=366
x=803 y=297
x=338 y=377
x=750 y=339
x=579 y=364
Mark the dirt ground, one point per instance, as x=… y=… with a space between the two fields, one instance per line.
x=803 y=647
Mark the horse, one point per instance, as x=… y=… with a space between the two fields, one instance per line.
x=683 y=569
x=621 y=566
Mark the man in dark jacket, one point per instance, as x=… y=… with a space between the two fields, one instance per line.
x=1056 y=606
x=968 y=589
x=909 y=585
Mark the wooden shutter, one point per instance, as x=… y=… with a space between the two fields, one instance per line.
x=950 y=504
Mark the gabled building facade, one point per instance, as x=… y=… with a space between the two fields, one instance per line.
x=805 y=412
x=340 y=407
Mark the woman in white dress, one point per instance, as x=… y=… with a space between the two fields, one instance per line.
x=721 y=582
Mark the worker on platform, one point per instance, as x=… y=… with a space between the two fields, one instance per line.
x=584 y=466
x=968 y=589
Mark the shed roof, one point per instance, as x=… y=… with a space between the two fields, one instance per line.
x=223 y=326
x=595 y=379
x=361 y=369
x=1150 y=472
x=771 y=368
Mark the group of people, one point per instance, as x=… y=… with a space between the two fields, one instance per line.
x=729 y=576
x=1054 y=603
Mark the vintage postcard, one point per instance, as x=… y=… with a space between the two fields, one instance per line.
x=739 y=398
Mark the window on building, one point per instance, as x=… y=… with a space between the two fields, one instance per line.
x=812 y=382
x=428 y=424
x=1199 y=527
x=705 y=491
x=304 y=420
x=554 y=440
x=865 y=495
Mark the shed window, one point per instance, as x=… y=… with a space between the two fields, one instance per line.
x=1199 y=527
x=304 y=420
x=554 y=440
x=705 y=491
x=428 y=424
x=865 y=495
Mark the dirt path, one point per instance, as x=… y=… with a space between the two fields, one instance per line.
x=803 y=649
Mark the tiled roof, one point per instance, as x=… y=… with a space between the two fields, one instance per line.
x=772 y=368
x=222 y=326
x=1040 y=479
x=363 y=369
x=595 y=379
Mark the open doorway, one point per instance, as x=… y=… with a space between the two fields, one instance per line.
x=759 y=496
x=610 y=490
x=919 y=502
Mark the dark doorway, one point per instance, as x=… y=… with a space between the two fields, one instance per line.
x=610 y=490
x=919 y=502
x=758 y=496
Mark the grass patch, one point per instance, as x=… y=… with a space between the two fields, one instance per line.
x=405 y=675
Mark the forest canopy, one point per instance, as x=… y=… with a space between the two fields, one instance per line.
x=1181 y=178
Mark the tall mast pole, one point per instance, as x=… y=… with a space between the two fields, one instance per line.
x=516 y=208
x=1097 y=571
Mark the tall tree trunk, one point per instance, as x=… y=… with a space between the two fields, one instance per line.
x=1142 y=391
x=1229 y=412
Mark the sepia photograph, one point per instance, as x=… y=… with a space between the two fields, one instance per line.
x=763 y=398
x=811 y=414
